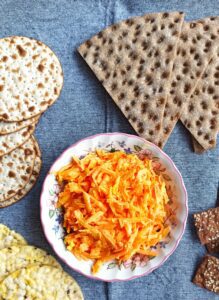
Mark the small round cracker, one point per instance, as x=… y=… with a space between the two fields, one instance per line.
x=17 y=257
x=9 y=237
x=11 y=141
x=40 y=282
x=9 y=127
x=16 y=169
x=31 y=78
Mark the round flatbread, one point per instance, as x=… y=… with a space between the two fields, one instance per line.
x=40 y=282
x=9 y=237
x=33 y=178
x=18 y=257
x=31 y=78
x=30 y=184
x=11 y=141
x=36 y=146
x=9 y=127
x=16 y=169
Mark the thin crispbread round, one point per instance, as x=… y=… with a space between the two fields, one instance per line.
x=10 y=238
x=198 y=43
x=11 y=141
x=36 y=146
x=134 y=60
x=16 y=169
x=9 y=127
x=31 y=78
x=40 y=282
x=33 y=178
x=25 y=190
x=17 y=257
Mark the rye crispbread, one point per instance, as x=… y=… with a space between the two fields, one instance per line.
x=200 y=115
x=198 y=42
x=133 y=60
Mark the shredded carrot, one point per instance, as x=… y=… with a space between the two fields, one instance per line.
x=114 y=207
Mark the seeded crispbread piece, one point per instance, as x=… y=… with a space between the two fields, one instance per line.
x=198 y=42
x=207 y=225
x=197 y=147
x=9 y=127
x=16 y=169
x=17 y=257
x=207 y=275
x=11 y=141
x=213 y=247
x=200 y=115
x=33 y=178
x=9 y=237
x=31 y=78
x=133 y=60
x=40 y=282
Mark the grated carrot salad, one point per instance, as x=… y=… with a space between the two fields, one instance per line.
x=114 y=206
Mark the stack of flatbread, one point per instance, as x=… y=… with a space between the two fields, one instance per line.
x=27 y=272
x=31 y=80
x=159 y=69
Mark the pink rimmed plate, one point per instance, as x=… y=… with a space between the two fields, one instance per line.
x=139 y=265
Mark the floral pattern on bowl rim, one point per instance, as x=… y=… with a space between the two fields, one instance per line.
x=138 y=265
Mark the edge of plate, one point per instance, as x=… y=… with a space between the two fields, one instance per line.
x=185 y=203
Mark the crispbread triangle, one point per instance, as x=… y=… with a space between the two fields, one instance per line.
x=200 y=115
x=198 y=42
x=133 y=59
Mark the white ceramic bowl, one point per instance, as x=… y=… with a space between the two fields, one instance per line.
x=51 y=217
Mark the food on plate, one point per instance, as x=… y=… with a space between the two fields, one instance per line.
x=9 y=127
x=207 y=225
x=40 y=282
x=134 y=61
x=114 y=206
x=207 y=275
x=155 y=80
x=37 y=75
x=15 y=170
x=11 y=141
x=213 y=247
x=9 y=237
x=17 y=257
x=195 y=49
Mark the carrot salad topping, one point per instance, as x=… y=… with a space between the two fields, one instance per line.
x=114 y=206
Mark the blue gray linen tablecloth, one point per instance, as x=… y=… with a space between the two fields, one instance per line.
x=84 y=109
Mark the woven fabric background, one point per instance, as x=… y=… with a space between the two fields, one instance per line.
x=84 y=109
